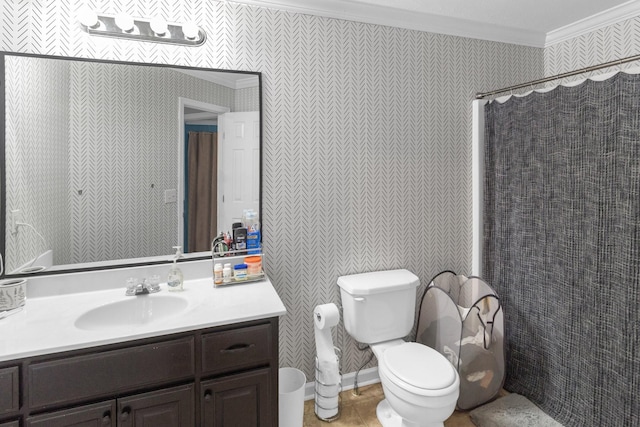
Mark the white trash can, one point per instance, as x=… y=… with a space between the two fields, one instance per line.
x=291 y=382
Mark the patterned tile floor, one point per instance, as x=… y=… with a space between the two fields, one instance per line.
x=360 y=411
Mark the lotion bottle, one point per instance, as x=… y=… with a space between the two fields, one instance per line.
x=175 y=279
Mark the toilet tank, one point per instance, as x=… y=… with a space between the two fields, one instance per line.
x=378 y=306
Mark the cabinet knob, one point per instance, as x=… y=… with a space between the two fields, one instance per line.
x=124 y=415
x=106 y=418
x=208 y=395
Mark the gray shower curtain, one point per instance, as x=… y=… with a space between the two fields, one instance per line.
x=562 y=237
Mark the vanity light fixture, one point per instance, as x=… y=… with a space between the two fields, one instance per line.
x=89 y=18
x=190 y=30
x=159 y=26
x=124 y=21
x=156 y=29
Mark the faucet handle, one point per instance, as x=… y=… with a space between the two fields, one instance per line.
x=153 y=283
x=132 y=285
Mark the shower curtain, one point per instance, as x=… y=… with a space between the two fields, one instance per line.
x=202 y=199
x=561 y=246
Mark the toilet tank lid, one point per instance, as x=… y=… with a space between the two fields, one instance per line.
x=378 y=282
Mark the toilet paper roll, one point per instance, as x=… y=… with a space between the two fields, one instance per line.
x=327 y=373
x=326 y=316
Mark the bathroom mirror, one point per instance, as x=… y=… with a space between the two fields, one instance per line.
x=106 y=164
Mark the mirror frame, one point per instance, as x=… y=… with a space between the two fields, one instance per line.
x=113 y=264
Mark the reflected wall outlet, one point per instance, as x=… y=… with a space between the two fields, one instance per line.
x=170 y=196
x=15 y=217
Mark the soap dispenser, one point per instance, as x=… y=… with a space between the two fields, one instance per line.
x=175 y=279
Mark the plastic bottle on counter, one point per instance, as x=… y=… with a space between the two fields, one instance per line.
x=226 y=273
x=217 y=274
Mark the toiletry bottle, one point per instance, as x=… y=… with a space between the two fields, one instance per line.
x=240 y=240
x=175 y=278
x=217 y=274
x=253 y=238
x=226 y=273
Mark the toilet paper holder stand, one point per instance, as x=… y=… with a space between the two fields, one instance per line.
x=321 y=389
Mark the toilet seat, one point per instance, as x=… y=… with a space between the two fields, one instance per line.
x=418 y=369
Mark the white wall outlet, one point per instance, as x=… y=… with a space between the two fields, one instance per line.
x=15 y=218
x=170 y=196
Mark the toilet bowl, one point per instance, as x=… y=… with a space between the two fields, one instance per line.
x=420 y=386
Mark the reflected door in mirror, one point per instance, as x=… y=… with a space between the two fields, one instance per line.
x=239 y=186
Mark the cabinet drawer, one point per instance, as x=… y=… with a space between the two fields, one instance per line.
x=109 y=373
x=10 y=386
x=98 y=414
x=236 y=349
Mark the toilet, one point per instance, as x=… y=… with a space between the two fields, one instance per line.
x=420 y=386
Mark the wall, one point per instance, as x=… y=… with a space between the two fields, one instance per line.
x=606 y=44
x=366 y=143
x=247 y=99
x=34 y=123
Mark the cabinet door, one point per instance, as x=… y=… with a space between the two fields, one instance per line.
x=10 y=424
x=172 y=407
x=96 y=415
x=10 y=386
x=242 y=400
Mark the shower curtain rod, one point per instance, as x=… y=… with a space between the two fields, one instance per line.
x=481 y=95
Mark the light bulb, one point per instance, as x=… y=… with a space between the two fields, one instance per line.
x=159 y=26
x=88 y=18
x=124 y=21
x=190 y=30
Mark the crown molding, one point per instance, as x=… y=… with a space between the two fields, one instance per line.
x=399 y=18
x=628 y=10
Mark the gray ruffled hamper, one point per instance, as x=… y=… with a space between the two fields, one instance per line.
x=462 y=319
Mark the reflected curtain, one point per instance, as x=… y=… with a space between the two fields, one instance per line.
x=562 y=237
x=202 y=202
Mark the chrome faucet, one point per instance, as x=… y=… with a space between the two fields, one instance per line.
x=146 y=287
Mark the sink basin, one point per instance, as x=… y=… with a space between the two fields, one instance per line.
x=134 y=311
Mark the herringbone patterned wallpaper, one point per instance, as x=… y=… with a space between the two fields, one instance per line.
x=32 y=123
x=367 y=134
x=607 y=44
x=247 y=99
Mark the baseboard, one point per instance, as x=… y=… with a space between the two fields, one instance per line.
x=365 y=377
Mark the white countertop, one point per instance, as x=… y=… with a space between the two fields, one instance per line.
x=47 y=324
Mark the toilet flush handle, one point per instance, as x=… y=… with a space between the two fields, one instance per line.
x=358 y=299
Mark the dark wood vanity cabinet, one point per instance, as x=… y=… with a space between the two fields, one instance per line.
x=224 y=376
x=237 y=400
